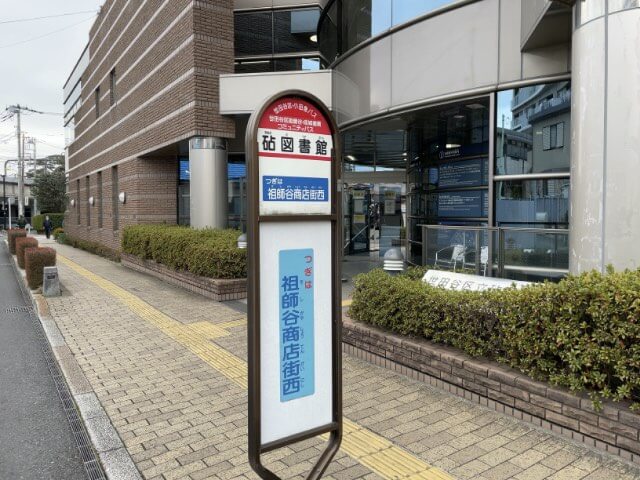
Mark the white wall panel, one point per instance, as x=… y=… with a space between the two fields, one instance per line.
x=622 y=204
x=242 y=93
x=448 y=53
x=587 y=147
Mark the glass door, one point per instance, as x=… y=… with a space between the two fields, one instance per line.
x=359 y=221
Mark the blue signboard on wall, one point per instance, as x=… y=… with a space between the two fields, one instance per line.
x=463 y=204
x=296 y=324
x=466 y=173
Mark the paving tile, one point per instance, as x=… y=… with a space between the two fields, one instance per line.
x=181 y=418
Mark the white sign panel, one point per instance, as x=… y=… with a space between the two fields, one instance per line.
x=294 y=150
x=472 y=283
x=295 y=328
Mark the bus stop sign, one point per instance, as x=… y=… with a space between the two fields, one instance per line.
x=294 y=308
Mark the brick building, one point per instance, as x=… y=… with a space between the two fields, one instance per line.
x=144 y=96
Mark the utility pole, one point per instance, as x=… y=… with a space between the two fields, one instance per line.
x=17 y=110
x=20 y=168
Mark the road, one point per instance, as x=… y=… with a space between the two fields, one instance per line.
x=36 y=441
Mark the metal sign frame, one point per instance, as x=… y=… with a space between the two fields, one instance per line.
x=254 y=219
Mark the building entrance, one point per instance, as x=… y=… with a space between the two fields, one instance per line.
x=374 y=218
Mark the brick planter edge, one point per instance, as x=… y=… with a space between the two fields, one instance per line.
x=614 y=429
x=213 y=288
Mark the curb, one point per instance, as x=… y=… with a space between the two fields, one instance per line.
x=107 y=444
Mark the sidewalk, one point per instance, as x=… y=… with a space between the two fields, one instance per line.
x=170 y=368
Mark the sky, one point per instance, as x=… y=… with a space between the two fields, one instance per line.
x=34 y=70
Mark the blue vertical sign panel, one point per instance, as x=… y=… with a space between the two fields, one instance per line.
x=296 y=324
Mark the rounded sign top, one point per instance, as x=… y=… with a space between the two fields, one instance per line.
x=295 y=114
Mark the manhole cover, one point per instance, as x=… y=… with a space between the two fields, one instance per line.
x=19 y=309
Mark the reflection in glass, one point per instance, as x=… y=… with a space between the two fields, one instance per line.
x=590 y=10
x=253 y=33
x=277 y=65
x=617 y=5
x=532 y=129
x=295 y=30
x=533 y=203
x=328 y=33
x=448 y=176
x=276 y=33
x=525 y=251
x=363 y=19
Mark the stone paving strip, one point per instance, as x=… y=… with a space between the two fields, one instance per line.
x=174 y=385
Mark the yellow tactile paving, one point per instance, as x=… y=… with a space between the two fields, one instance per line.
x=373 y=451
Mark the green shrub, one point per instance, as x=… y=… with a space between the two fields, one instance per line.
x=21 y=244
x=582 y=333
x=35 y=259
x=210 y=252
x=12 y=234
x=89 y=246
x=57 y=232
x=37 y=221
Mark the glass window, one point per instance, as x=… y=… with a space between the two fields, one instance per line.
x=349 y=23
x=253 y=33
x=328 y=33
x=617 y=5
x=542 y=203
x=277 y=65
x=295 y=30
x=590 y=9
x=254 y=66
x=290 y=64
x=112 y=87
x=362 y=19
x=97 y=102
x=115 y=200
x=532 y=129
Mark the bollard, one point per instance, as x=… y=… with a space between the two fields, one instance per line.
x=51 y=282
x=393 y=261
x=242 y=241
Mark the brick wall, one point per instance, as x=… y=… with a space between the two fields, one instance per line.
x=168 y=56
x=614 y=429
x=150 y=188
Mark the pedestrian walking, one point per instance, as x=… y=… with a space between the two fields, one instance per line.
x=47 y=226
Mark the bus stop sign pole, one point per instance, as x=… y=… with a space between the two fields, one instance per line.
x=294 y=254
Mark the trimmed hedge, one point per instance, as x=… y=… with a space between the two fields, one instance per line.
x=582 y=333
x=12 y=234
x=88 y=246
x=35 y=259
x=37 y=221
x=209 y=253
x=57 y=232
x=23 y=243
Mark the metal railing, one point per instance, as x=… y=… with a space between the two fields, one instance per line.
x=504 y=252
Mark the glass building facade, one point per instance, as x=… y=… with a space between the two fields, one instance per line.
x=485 y=188
x=276 y=40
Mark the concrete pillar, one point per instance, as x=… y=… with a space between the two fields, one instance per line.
x=605 y=148
x=208 y=185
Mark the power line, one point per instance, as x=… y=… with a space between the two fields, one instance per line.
x=47 y=34
x=4 y=22
x=31 y=110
